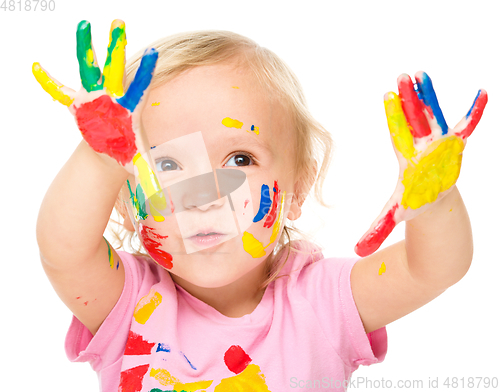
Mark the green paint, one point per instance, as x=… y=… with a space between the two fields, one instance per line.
x=89 y=71
x=138 y=201
x=118 y=33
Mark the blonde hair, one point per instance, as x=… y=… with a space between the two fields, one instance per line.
x=181 y=52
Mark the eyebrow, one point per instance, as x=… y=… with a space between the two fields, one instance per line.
x=239 y=140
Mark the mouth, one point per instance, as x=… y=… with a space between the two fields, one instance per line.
x=207 y=238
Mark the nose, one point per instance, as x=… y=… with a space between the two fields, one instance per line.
x=196 y=192
x=201 y=191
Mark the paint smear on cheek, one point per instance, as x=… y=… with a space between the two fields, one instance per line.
x=252 y=245
x=382 y=269
x=265 y=203
x=232 y=123
x=272 y=215
x=152 y=245
x=107 y=128
x=131 y=379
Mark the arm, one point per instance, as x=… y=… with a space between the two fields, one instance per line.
x=70 y=227
x=79 y=262
x=435 y=254
x=437 y=251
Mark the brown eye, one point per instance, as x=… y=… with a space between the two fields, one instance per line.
x=166 y=165
x=240 y=160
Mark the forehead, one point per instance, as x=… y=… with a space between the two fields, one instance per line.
x=224 y=102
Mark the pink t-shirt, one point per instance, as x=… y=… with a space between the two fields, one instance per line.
x=306 y=331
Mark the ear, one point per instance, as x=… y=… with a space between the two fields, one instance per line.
x=122 y=210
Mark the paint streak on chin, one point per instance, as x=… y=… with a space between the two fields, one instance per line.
x=152 y=245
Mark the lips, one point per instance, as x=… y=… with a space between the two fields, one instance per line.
x=207 y=238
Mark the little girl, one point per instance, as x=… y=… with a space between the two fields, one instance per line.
x=208 y=161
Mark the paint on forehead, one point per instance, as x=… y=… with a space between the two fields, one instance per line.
x=236 y=87
x=232 y=123
x=150 y=240
x=265 y=203
x=434 y=173
x=255 y=129
x=146 y=306
x=272 y=214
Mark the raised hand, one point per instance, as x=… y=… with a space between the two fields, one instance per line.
x=108 y=119
x=429 y=154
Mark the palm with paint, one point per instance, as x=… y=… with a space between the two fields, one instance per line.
x=429 y=154
x=108 y=119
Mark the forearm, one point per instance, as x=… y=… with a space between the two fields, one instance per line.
x=77 y=207
x=439 y=243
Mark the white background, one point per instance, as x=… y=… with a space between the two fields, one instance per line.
x=347 y=55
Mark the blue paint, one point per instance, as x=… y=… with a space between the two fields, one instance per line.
x=252 y=128
x=265 y=203
x=163 y=347
x=141 y=81
x=428 y=96
x=190 y=364
x=474 y=104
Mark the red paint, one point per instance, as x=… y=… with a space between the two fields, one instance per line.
x=86 y=303
x=475 y=115
x=236 y=359
x=246 y=202
x=131 y=379
x=136 y=345
x=369 y=244
x=271 y=216
x=149 y=240
x=78 y=297
x=107 y=127
x=413 y=108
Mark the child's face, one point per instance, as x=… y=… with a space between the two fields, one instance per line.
x=217 y=120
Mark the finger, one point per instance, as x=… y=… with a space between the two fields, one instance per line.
x=472 y=118
x=412 y=107
x=141 y=81
x=114 y=68
x=398 y=126
x=377 y=234
x=60 y=93
x=428 y=96
x=90 y=74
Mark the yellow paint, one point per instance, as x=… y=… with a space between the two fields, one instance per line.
x=236 y=87
x=382 y=269
x=252 y=245
x=232 y=123
x=155 y=104
x=277 y=223
x=110 y=254
x=151 y=187
x=90 y=57
x=435 y=173
x=250 y=379
x=451 y=209
x=50 y=85
x=146 y=306
x=398 y=126
x=114 y=71
x=256 y=129
x=164 y=377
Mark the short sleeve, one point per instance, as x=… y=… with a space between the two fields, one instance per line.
x=326 y=285
x=108 y=344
